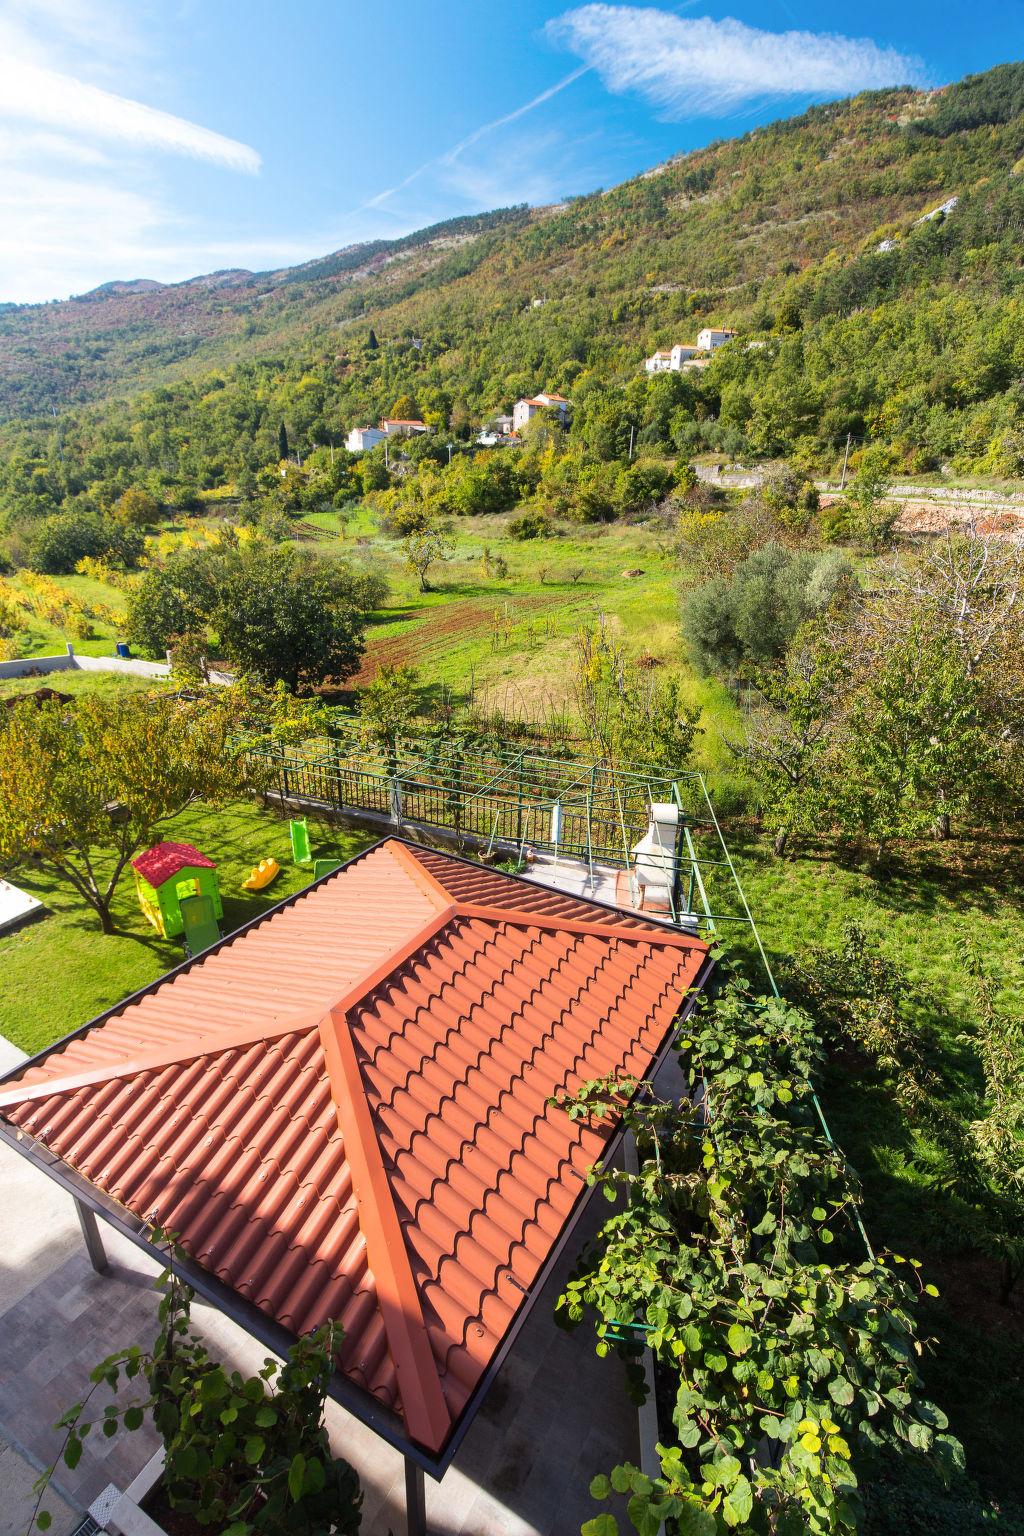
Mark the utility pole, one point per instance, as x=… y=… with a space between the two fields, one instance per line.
x=846 y=460
x=450 y=445
x=632 y=430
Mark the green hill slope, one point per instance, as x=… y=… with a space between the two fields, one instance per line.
x=812 y=236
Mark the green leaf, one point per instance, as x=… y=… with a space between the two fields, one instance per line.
x=694 y=1520
x=265 y=1416
x=601 y=1525
x=622 y=1479
x=600 y=1486
x=133 y=1417
x=739 y=1339
x=715 y=1362
x=738 y=1502
x=254 y=1448
x=296 y=1475
x=841 y=1391
x=239 y=1528
x=44 y=1519
x=73 y=1452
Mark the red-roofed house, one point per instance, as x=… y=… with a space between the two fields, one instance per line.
x=524 y=410
x=347 y=1110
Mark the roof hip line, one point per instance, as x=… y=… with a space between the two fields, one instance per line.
x=424 y=1408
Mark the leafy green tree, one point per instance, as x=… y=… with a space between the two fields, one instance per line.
x=282 y=442
x=82 y=790
x=387 y=707
x=173 y=600
x=914 y=746
x=137 y=507
x=284 y=615
x=63 y=540
x=786 y=739
x=788 y=1364
x=751 y=617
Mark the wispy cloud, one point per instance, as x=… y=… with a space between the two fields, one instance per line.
x=451 y=156
x=694 y=66
x=82 y=197
x=31 y=93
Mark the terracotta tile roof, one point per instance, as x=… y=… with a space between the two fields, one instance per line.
x=159 y=863
x=343 y=1110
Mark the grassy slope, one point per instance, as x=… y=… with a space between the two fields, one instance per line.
x=918 y=910
x=58 y=972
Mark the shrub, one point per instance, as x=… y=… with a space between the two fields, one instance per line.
x=66 y=538
x=531 y=525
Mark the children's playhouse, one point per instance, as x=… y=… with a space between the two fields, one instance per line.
x=168 y=873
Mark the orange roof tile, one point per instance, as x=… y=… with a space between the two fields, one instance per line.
x=343 y=1110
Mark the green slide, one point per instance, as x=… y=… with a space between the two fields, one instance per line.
x=300 y=841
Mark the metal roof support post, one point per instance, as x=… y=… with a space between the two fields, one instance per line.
x=93 y=1241
x=415 y=1500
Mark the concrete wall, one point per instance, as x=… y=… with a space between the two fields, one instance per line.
x=26 y=666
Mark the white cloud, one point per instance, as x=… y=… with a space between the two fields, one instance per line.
x=31 y=93
x=693 y=66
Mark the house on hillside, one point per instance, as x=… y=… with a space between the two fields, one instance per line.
x=524 y=410
x=497 y=433
x=362 y=438
x=710 y=339
x=396 y=426
x=671 y=359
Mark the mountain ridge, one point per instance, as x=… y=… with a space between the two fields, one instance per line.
x=808 y=234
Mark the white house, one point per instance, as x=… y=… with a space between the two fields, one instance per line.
x=671 y=359
x=524 y=410
x=397 y=426
x=361 y=438
x=709 y=340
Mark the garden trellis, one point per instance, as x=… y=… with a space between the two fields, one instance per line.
x=515 y=801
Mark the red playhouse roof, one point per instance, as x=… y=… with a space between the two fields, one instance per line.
x=343 y=1111
x=159 y=863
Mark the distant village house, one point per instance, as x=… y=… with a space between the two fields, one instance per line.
x=360 y=439
x=524 y=410
x=671 y=359
x=709 y=340
x=396 y=426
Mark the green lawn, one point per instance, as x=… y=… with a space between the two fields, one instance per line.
x=106 y=683
x=60 y=971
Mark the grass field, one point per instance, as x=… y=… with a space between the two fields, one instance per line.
x=60 y=971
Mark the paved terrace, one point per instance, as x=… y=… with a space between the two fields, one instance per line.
x=555 y=1416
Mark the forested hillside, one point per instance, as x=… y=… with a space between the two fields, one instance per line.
x=857 y=314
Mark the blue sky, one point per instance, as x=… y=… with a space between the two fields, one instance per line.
x=143 y=139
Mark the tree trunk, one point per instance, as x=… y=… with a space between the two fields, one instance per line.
x=106 y=921
x=942 y=826
x=781 y=839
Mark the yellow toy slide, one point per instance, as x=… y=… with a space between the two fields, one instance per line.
x=265 y=871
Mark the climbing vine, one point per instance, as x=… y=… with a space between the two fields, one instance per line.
x=784 y=1356
x=243 y=1456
